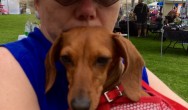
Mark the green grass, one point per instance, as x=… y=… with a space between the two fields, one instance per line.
x=172 y=67
x=11 y=26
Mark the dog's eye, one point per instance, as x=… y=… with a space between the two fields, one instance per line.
x=102 y=61
x=66 y=59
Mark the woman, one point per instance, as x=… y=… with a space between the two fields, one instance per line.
x=22 y=71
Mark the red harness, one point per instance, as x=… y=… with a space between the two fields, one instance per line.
x=114 y=100
x=109 y=96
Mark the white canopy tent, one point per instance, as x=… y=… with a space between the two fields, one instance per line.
x=12 y=6
x=153 y=4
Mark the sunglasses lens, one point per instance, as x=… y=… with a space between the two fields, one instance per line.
x=66 y=2
x=106 y=3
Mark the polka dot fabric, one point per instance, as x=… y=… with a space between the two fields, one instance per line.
x=145 y=103
x=142 y=106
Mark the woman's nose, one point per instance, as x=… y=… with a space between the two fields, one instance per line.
x=86 y=10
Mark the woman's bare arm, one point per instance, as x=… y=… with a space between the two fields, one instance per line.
x=162 y=88
x=16 y=92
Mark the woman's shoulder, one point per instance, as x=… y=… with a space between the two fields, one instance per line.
x=15 y=84
x=29 y=54
x=25 y=59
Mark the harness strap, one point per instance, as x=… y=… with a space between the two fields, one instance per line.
x=172 y=103
x=111 y=95
x=114 y=95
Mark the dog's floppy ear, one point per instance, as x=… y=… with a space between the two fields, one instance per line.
x=133 y=61
x=51 y=58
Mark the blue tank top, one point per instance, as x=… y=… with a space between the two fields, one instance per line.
x=31 y=53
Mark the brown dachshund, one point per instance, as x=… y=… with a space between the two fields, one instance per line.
x=96 y=60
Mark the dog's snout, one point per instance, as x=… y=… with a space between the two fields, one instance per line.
x=80 y=104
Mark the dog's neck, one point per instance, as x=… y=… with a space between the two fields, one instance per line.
x=114 y=75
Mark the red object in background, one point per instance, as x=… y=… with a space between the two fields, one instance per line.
x=3 y=11
x=1 y=5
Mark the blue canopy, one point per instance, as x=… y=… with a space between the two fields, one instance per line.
x=160 y=3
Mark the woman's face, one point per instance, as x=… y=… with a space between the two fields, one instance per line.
x=56 y=17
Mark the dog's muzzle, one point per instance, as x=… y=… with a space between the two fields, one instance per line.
x=81 y=103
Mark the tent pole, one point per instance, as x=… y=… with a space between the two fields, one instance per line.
x=8 y=6
x=127 y=17
x=162 y=30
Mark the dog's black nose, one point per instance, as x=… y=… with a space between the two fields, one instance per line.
x=80 y=104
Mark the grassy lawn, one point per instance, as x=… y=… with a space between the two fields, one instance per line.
x=172 y=67
x=11 y=26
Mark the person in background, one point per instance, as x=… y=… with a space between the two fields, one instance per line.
x=132 y=16
x=141 y=11
x=171 y=16
x=183 y=11
x=177 y=20
x=154 y=15
x=159 y=20
x=22 y=68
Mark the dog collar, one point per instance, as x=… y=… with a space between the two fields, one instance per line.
x=113 y=94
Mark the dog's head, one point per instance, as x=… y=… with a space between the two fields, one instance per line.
x=92 y=57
